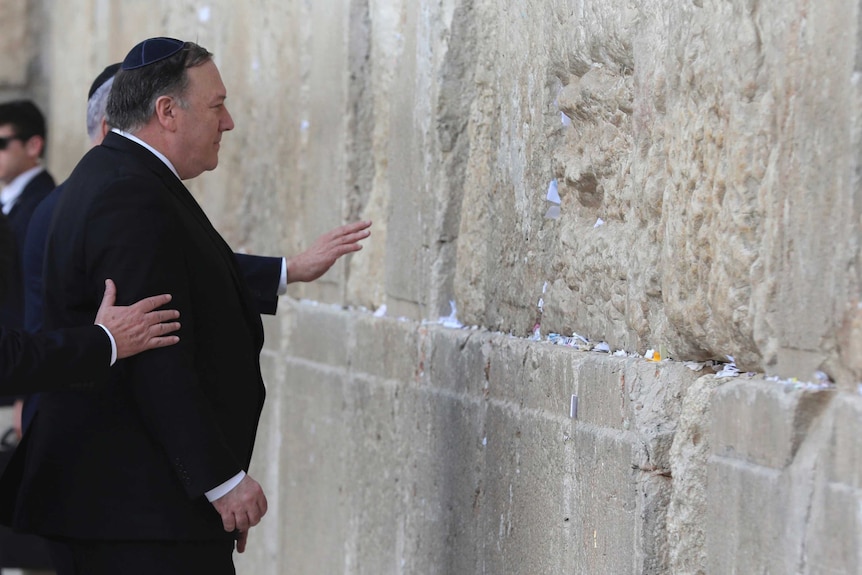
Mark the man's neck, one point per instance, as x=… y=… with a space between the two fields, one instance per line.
x=148 y=146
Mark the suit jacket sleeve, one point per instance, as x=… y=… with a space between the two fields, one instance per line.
x=263 y=275
x=135 y=238
x=63 y=359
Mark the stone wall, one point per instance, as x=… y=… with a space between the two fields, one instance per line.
x=391 y=446
x=25 y=66
x=705 y=154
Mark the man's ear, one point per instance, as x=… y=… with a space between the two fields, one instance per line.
x=34 y=147
x=166 y=112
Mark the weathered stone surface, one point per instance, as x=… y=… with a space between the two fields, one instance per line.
x=763 y=422
x=706 y=154
x=715 y=172
x=387 y=349
x=689 y=503
x=745 y=499
x=13 y=43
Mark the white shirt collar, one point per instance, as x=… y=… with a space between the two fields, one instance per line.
x=155 y=152
x=13 y=191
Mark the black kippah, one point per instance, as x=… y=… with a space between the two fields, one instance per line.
x=151 y=51
x=106 y=75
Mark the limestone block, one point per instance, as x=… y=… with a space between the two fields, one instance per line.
x=14 y=43
x=551 y=379
x=631 y=393
x=605 y=498
x=842 y=453
x=835 y=531
x=604 y=392
x=385 y=348
x=527 y=521
x=689 y=501
x=313 y=512
x=763 y=422
x=379 y=473
x=748 y=505
x=319 y=333
x=442 y=493
x=535 y=376
x=508 y=369
x=457 y=361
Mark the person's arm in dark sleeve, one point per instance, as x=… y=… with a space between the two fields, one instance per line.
x=78 y=357
x=263 y=275
x=53 y=360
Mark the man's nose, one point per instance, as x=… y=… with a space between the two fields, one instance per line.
x=227 y=121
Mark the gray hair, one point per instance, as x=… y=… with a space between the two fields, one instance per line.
x=132 y=102
x=96 y=109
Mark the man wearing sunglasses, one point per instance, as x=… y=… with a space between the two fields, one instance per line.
x=25 y=183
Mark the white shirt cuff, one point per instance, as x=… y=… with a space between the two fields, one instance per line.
x=282 y=283
x=221 y=490
x=113 y=343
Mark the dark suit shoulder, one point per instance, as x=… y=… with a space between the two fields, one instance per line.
x=106 y=177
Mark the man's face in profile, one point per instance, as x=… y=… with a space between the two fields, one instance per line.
x=202 y=120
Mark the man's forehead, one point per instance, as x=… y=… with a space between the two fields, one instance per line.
x=206 y=78
x=7 y=130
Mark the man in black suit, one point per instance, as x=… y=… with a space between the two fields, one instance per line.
x=149 y=476
x=266 y=277
x=25 y=183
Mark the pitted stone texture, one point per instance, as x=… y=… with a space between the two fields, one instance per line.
x=689 y=156
x=725 y=178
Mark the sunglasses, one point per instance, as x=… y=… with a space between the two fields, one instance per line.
x=7 y=139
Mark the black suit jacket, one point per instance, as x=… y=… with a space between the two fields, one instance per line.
x=12 y=309
x=133 y=460
x=262 y=274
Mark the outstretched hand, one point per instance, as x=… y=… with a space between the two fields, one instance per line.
x=241 y=508
x=325 y=251
x=140 y=326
